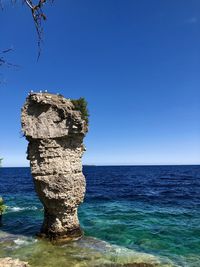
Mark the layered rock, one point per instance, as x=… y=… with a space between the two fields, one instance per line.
x=55 y=132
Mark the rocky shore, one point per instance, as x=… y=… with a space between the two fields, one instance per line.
x=9 y=262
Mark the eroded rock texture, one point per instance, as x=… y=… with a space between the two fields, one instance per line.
x=55 y=131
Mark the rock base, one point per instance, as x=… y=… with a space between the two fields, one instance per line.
x=71 y=235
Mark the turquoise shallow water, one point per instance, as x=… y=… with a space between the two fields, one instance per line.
x=147 y=214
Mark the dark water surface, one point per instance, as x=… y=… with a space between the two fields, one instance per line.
x=147 y=213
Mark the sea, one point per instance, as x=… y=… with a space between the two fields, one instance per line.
x=131 y=214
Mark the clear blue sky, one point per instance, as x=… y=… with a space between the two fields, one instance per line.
x=136 y=62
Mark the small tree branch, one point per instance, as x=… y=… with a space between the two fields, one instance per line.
x=3 y=61
x=38 y=16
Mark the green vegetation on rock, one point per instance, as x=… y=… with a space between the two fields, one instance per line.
x=81 y=105
x=2 y=206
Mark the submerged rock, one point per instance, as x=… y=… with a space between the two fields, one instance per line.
x=85 y=252
x=55 y=132
x=9 y=262
x=129 y=265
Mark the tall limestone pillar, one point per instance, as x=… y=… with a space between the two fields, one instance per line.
x=55 y=128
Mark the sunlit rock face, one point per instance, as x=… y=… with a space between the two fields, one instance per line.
x=55 y=132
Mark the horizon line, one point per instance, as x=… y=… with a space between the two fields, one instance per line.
x=117 y=165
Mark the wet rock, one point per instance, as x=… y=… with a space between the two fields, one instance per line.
x=55 y=132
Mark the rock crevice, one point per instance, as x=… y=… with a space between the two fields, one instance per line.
x=55 y=132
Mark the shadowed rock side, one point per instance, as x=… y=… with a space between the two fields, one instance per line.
x=55 y=131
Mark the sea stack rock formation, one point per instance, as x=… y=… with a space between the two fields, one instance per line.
x=55 y=127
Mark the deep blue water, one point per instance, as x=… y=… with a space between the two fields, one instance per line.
x=151 y=209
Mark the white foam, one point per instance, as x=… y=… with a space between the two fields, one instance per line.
x=20 y=242
x=23 y=242
x=17 y=209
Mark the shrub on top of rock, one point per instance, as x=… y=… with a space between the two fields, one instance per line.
x=81 y=105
